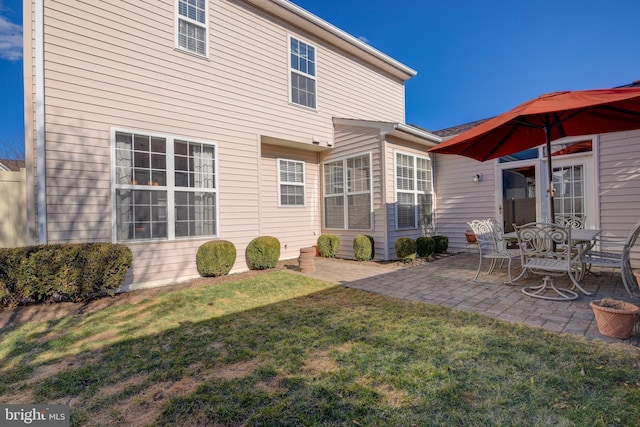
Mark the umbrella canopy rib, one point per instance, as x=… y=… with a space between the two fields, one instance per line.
x=496 y=146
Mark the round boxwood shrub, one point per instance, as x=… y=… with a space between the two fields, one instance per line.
x=263 y=253
x=405 y=249
x=442 y=244
x=426 y=246
x=215 y=258
x=328 y=245
x=363 y=247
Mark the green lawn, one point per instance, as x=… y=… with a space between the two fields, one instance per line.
x=283 y=349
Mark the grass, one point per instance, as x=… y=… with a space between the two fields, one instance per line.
x=283 y=349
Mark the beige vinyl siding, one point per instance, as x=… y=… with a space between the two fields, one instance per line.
x=353 y=141
x=461 y=200
x=113 y=65
x=619 y=155
x=295 y=226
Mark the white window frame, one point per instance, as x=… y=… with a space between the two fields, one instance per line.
x=298 y=184
x=346 y=193
x=415 y=192
x=204 y=25
x=303 y=74
x=170 y=188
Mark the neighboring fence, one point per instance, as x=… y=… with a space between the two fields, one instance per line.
x=13 y=209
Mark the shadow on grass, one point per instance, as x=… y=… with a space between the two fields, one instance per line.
x=336 y=356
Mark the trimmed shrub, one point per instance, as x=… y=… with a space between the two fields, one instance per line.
x=442 y=244
x=328 y=245
x=215 y=258
x=405 y=249
x=65 y=272
x=363 y=247
x=263 y=253
x=425 y=246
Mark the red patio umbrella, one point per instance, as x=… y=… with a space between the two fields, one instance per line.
x=547 y=118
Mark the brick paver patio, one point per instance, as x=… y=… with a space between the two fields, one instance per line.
x=449 y=282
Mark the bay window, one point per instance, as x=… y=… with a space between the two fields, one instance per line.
x=347 y=193
x=414 y=191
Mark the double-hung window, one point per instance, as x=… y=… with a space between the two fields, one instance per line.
x=414 y=191
x=164 y=187
x=302 y=63
x=192 y=26
x=347 y=193
x=291 y=182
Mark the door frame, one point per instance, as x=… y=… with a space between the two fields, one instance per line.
x=588 y=160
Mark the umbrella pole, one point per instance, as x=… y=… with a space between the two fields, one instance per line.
x=552 y=210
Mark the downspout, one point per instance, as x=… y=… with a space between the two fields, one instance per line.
x=41 y=184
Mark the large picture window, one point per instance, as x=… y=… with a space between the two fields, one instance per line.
x=164 y=187
x=347 y=193
x=192 y=26
x=291 y=182
x=302 y=63
x=414 y=191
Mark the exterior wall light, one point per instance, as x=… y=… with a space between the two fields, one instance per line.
x=477 y=177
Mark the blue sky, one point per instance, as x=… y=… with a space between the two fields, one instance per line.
x=475 y=59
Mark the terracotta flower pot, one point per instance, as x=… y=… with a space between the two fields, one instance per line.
x=471 y=237
x=615 y=318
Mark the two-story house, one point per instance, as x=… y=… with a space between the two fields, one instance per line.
x=165 y=124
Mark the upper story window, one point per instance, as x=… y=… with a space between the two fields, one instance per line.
x=192 y=26
x=165 y=187
x=347 y=193
x=414 y=191
x=291 y=179
x=302 y=60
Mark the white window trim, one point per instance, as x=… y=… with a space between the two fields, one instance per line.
x=291 y=69
x=178 y=17
x=415 y=190
x=170 y=187
x=303 y=184
x=346 y=193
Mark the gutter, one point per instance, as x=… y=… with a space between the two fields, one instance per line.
x=41 y=183
x=417 y=133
